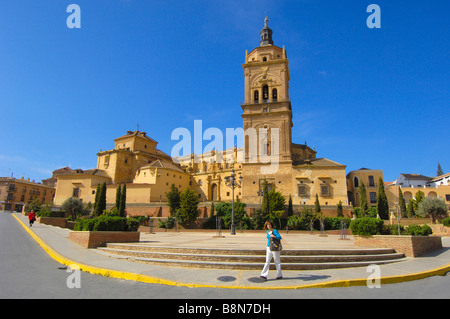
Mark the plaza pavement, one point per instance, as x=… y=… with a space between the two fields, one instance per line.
x=55 y=241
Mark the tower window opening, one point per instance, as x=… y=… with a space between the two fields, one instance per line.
x=265 y=92
x=256 y=96
x=274 y=94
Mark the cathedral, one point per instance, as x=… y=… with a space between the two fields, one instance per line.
x=268 y=155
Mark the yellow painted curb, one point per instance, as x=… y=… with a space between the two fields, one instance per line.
x=154 y=280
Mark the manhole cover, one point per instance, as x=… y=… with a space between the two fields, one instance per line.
x=227 y=278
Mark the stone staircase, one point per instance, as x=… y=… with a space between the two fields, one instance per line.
x=244 y=259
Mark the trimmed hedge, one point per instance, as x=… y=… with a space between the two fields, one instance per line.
x=107 y=223
x=417 y=230
x=366 y=226
x=446 y=222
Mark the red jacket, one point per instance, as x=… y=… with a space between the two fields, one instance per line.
x=32 y=216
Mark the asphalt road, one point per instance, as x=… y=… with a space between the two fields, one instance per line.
x=27 y=272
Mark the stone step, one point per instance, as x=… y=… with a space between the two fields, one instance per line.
x=254 y=265
x=302 y=259
x=251 y=258
x=224 y=251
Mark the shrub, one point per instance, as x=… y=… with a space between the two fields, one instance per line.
x=366 y=226
x=43 y=213
x=417 y=230
x=86 y=224
x=446 y=222
x=132 y=224
x=107 y=223
x=392 y=229
x=169 y=223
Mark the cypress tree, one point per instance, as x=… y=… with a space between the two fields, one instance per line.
x=97 y=193
x=401 y=203
x=290 y=210
x=363 y=199
x=439 y=171
x=340 y=210
x=265 y=207
x=317 y=205
x=123 y=201
x=410 y=210
x=118 y=197
x=173 y=199
x=100 y=204
x=382 y=202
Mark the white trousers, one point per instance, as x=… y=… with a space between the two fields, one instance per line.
x=276 y=257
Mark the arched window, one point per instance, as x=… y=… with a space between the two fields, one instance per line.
x=256 y=95
x=265 y=92
x=274 y=94
x=356 y=181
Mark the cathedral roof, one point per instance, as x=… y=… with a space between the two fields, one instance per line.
x=319 y=162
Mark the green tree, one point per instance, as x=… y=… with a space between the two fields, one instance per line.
x=439 y=171
x=173 y=198
x=265 y=206
x=97 y=194
x=340 y=210
x=382 y=202
x=100 y=204
x=435 y=208
x=290 y=209
x=317 y=208
x=212 y=209
x=363 y=199
x=123 y=201
x=310 y=216
x=410 y=209
x=418 y=199
x=402 y=203
x=188 y=211
x=74 y=206
x=118 y=197
x=34 y=204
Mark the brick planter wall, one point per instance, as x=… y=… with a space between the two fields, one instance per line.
x=93 y=239
x=411 y=246
x=53 y=221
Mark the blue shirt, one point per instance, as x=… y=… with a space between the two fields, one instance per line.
x=275 y=233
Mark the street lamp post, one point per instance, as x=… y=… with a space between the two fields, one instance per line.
x=233 y=183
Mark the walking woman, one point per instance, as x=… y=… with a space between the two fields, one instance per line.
x=271 y=233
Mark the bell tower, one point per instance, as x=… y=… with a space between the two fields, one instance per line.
x=266 y=102
x=266 y=108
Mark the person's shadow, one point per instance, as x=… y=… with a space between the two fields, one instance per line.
x=303 y=277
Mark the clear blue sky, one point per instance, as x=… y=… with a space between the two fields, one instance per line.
x=375 y=98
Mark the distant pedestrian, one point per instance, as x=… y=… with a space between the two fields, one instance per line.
x=271 y=233
x=32 y=217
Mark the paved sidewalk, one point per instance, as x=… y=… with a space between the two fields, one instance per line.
x=55 y=241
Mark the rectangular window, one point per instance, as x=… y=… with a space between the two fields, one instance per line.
x=325 y=190
x=76 y=192
x=447 y=197
x=302 y=190
x=373 y=197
